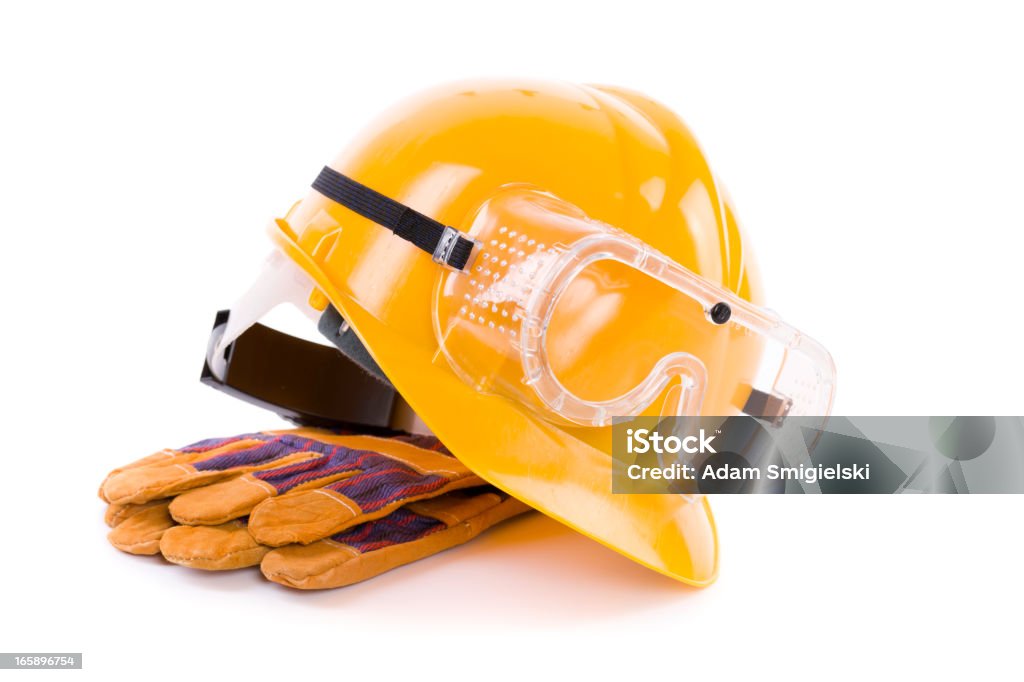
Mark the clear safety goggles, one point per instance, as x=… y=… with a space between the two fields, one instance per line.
x=573 y=318
x=584 y=322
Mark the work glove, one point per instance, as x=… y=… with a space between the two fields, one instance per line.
x=410 y=533
x=220 y=503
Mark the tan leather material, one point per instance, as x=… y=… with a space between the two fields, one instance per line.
x=236 y=497
x=161 y=504
x=170 y=472
x=220 y=502
x=453 y=509
x=161 y=457
x=169 y=457
x=145 y=483
x=312 y=515
x=212 y=548
x=329 y=564
x=119 y=513
x=423 y=460
x=140 y=529
x=116 y=484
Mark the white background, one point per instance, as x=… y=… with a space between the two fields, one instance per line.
x=874 y=153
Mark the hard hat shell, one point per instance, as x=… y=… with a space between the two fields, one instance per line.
x=623 y=159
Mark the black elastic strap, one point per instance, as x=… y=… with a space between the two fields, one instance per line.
x=444 y=243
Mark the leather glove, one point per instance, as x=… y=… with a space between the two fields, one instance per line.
x=407 y=534
x=300 y=485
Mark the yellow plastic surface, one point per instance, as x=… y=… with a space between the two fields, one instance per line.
x=623 y=159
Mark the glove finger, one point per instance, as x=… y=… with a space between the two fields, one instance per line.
x=116 y=514
x=142 y=484
x=406 y=535
x=137 y=529
x=234 y=498
x=212 y=548
x=161 y=457
x=221 y=502
x=203 y=449
x=381 y=485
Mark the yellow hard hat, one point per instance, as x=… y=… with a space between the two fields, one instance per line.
x=522 y=261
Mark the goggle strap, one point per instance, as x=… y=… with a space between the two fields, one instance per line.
x=446 y=244
x=769 y=406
